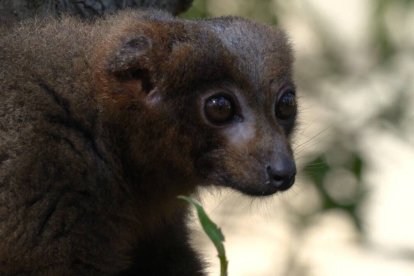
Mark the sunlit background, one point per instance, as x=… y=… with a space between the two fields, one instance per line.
x=351 y=211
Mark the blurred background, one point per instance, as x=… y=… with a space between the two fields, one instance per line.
x=351 y=211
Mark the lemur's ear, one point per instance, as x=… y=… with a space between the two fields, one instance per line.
x=130 y=53
x=132 y=62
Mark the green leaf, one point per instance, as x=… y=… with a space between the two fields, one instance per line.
x=212 y=231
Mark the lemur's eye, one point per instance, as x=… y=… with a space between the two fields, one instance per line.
x=286 y=105
x=220 y=109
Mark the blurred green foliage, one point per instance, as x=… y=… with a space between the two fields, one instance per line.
x=318 y=169
x=198 y=10
x=262 y=10
x=381 y=34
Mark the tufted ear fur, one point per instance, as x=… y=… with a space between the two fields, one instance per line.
x=131 y=50
x=130 y=62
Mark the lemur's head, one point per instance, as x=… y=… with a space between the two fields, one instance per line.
x=210 y=100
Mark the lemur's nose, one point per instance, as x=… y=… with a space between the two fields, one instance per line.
x=282 y=173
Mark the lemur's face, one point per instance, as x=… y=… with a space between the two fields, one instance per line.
x=215 y=98
x=249 y=148
x=244 y=109
x=250 y=115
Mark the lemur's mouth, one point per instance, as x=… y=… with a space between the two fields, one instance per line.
x=265 y=188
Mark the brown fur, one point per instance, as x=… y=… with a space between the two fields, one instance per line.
x=100 y=132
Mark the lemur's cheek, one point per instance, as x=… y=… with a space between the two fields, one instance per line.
x=240 y=135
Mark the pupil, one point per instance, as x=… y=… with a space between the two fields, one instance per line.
x=222 y=105
x=219 y=109
x=286 y=107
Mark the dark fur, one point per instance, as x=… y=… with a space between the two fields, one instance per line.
x=100 y=131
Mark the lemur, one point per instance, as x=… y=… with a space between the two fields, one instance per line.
x=103 y=124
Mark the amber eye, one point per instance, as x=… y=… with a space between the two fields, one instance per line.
x=219 y=109
x=286 y=105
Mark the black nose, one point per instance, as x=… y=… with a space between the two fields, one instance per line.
x=282 y=173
